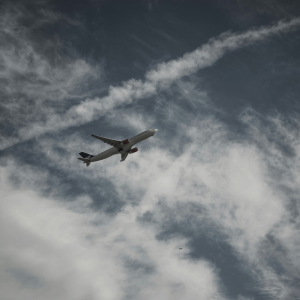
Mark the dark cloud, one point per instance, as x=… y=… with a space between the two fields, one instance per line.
x=277 y=8
x=219 y=179
x=25 y=278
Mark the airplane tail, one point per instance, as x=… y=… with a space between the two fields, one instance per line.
x=86 y=158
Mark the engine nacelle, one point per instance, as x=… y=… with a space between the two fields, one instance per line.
x=134 y=150
x=125 y=141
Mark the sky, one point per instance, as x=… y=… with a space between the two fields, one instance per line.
x=220 y=179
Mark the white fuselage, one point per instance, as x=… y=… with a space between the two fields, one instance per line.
x=126 y=147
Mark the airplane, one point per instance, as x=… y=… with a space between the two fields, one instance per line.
x=122 y=147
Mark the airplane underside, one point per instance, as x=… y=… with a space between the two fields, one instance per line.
x=87 y=158
x=122 y=147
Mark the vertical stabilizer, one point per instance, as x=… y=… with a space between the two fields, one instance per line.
x=86 y=158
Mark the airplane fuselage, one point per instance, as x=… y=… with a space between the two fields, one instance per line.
x=125 y=147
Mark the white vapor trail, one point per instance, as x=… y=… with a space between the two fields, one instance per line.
x=157 y=79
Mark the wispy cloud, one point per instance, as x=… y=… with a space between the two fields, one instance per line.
x=229 y=189
x=37 y=80
x=187 y=183
x=157 y=79
x=240 y=191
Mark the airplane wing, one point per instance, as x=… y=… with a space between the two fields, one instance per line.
x=111 y=142
x=123 y=156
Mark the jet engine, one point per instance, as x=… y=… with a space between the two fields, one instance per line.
x=125 y=141
x=134 y=150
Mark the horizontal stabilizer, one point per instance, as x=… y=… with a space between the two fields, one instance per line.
x=85 y=161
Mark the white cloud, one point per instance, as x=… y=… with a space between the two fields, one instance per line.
x=54 y=251
x=37 y=80
x=229 y=179
x=244 y=188
x=157 y=79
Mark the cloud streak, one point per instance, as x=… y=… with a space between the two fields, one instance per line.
x=157 y=79
x=37 y=80
x=195 y=181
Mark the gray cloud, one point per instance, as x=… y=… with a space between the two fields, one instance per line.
x=74 y=259
x=222 y=187
x=37 y=80
x=225 y=187
x=197 y=180
x=159 y=78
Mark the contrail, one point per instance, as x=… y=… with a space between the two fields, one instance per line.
x=157 y=79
